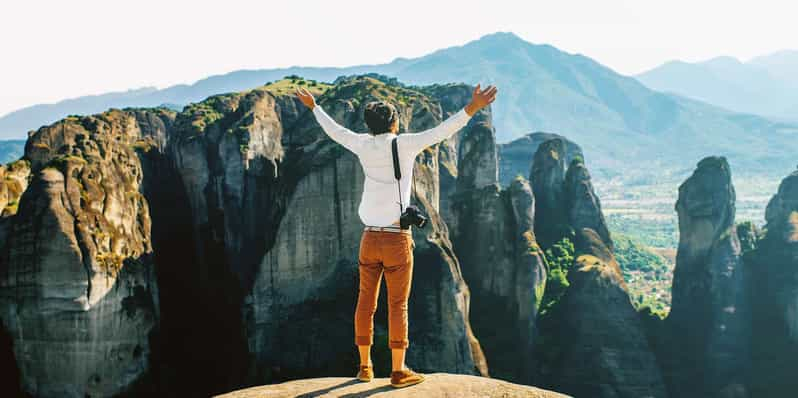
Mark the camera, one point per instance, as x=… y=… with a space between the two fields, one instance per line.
x=412 y=216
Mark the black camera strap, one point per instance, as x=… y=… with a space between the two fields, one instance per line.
x=397 y=172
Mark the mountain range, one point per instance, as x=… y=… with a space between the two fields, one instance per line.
x=766 y=85
x=621 y=121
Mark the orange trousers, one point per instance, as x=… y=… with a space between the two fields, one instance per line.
x=390 y=253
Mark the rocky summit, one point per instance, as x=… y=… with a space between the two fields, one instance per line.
x=773 y=288
x=436 y=385
x=710 y=316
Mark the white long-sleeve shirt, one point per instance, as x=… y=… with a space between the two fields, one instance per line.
x=379 y=205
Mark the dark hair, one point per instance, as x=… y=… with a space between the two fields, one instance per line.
x=379 y=116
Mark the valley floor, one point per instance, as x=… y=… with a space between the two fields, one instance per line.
x=645 y=215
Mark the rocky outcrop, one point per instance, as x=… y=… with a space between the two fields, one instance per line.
x=773 y=267
x=436 y=385
x=547 y=177
x=13 y=182
x=709 y=324
x=582 y=205
x=515 y=157
x=492 y=233
x=78 y=294
x=600 y=348
x=593 y=342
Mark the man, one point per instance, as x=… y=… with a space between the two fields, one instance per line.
x=386 y=247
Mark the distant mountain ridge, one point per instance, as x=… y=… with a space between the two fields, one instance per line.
x=619 y=120
x=11 y=150
x=766 y=85
x=782 y=64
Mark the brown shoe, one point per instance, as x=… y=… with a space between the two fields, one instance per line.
x=405 y=377
x=366 y=373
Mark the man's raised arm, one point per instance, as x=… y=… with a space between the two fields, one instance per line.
x=340 y=134
x=416 y=142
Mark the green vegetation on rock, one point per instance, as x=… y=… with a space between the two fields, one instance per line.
x=559 y=258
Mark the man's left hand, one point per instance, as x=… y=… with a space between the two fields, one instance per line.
x=306 y=97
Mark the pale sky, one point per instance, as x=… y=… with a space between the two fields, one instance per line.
x=53 y=50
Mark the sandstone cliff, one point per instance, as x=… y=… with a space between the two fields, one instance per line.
x=437 y=385
x=13 y=182
x=708 y=328
x=773 y=267
x=547 y=177
x=592 y=342
x=78 y=292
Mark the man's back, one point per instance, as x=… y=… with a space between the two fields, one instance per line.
x=379 y=205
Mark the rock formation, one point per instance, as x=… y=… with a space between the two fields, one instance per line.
x=592 y=343
x=13 y=182
x=582 y=205
x=708 y=328
x=773 y=267
x=492 y=233
x=515 y=157
x=547 y=177
x=78 y=293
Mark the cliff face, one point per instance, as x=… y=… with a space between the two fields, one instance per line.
x=709 y=323
x=592 y=342
x=774 y=269
x=504 y=267
x=13 y=182
x=547 y=177
x=582 y=205
x=78 y=292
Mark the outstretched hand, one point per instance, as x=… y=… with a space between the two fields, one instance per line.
x=306 y=97
x=481 y=99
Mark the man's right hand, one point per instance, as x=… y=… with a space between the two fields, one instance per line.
x=480 y=99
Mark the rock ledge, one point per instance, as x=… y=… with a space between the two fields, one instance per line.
x=436 y=385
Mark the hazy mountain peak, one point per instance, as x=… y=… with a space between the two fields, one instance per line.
x=757 y=86
x=781 y=54
x=723 y=60
x=500 y=36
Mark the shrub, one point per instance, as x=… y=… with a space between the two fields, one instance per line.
x=559 y=258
